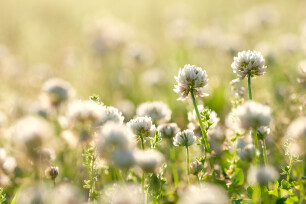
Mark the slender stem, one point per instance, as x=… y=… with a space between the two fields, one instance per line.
x=206 y=143
x=249 y=86
x=119 y=175
x=54 y=182
x=264 y=152
x=290 y=166
x=256 y=145
x=187 y=160
x=142 y=143
x=174 y=171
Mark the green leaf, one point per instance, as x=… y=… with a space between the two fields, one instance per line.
x=285 y=185
x=250 y=191
x=239 y=177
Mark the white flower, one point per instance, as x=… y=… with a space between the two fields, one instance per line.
x=248 y=62
x=65 y=194
x=296 y=133
x=123 y=159
x=31 y=133
x=168 y=130
x=84 y=112
x=262 y=175
x=184 y=138
x=253 y=115
x=191 y=78
x=113 y=137
x=247 y=153
x=142 y=126
x=119 y=194
x=110 y=113
x=7 y=163
x=57 y=91
x=196 y=167
x=205 y=193
x=149 y=160
x=302 y=72
x=158 y=111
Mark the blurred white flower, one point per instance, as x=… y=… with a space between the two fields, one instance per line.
x=57 y=91
x=142 y=126
x=248 y=63
x=158 y=111
x=262 y=175
x=123 y=194
x=123 y=159
x=85 y=112
x=206 y=193
x=65 y=194
x=302 y=72
x=247 y=153
x=184 y=138
x=31 y=134
x=113 y=137
x=127 y=108
x=7 y=163
x=191 y=78
x=296 y=132
x=110 y=113
x=168 y=130
x=253 y=115
x=149 y=160
x=196 y=167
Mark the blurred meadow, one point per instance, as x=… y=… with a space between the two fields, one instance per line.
x=128 y=52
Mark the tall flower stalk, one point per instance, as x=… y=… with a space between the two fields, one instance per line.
x=192 y=79
x=250 y=64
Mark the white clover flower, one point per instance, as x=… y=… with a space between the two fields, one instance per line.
x=142 y=126
x=119 y=194
x=253 y=115
x=168 y=130
x=207 y=193
x=31 y=133
x=7 y=163
x=158 y=111
x=85 y=112
x=57 y=91
x=110 y=113
x=113 y=137
x=248 y=63
x=65 y=194
x=196 y=167
x=247 y=153
x=184 y=138
x=296 y=132
x=193 y=119
x=262 y=175
x=123 y=159
x=149 y=160
x=191 y=78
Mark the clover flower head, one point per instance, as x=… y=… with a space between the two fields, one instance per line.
x=142 y=126
x=253 y=115
x=262 y=175
x=207 y=193
x=184 y=138
x=191 y=78
x=196 y=167
x=110 y=113
x=118 y=194
x=149 y=160
x=168 y=130
x=158 y=111
x=248 y=63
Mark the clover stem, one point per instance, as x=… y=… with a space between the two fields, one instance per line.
x=249 y=87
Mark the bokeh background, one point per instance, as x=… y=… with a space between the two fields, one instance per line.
x=128 y=52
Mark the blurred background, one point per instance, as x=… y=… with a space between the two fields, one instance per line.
x=128 y=52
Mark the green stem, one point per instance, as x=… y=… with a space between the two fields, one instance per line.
x=290 y=166
x=142 y=143
x=187 y=160
x=54 y=182
x=256 y=145
x=264 y=152
x=174 y=171
x=206 y=143
x=249 y=86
